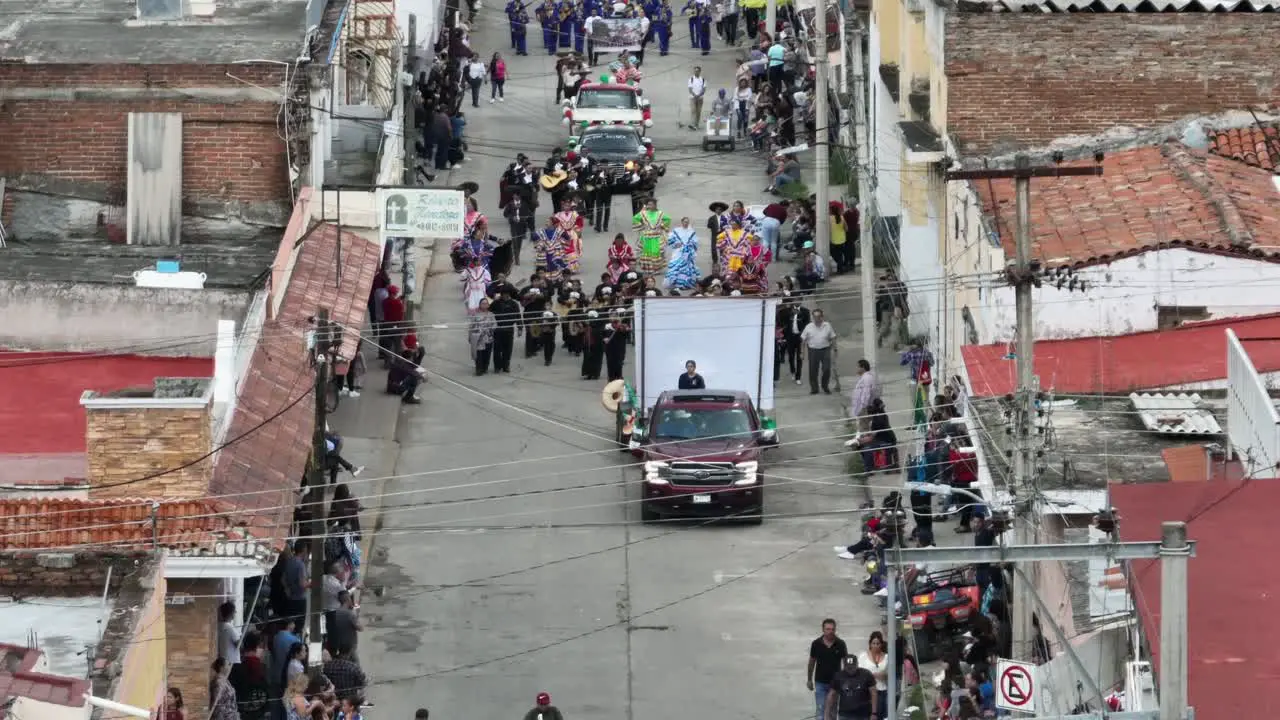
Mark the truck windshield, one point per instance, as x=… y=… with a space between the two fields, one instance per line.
x=607 y=100
x=691 y=424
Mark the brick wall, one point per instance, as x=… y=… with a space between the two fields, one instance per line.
x=191 y=637
x=1018 y=80
x=129 y=444
x=232 y=150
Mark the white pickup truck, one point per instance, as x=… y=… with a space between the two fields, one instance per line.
x=607 y=104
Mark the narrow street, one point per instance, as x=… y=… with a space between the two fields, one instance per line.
x=510 y=557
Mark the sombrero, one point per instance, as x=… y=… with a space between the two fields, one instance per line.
x=718 y=207
x=470 y=188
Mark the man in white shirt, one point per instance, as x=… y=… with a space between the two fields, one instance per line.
x=475 y=77
x=228 y=634
x=697 y=91
x=818 y=336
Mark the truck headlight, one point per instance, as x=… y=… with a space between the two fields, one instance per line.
x=750 y=472
x=653 y=473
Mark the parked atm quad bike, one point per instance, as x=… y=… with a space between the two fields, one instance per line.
x=943 y=605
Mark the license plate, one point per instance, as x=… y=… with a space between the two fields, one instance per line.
x=701 y=499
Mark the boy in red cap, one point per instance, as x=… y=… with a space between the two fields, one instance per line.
x=544 y=710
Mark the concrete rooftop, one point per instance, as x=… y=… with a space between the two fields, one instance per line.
x=108 y=32
x=1093 y=442
x=63 y=626
x=235 y=266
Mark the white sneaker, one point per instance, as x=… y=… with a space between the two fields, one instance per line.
x=882 y=592
x=502 y=99
x=492 y=101
x=357 y=471
x=448 y=166
x=851 y=442
x=840 y=548
x=354 y=393
x=343 y=392
x=846 y=555
x=798 y=382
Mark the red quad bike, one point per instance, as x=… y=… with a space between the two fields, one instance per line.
x=941 y=610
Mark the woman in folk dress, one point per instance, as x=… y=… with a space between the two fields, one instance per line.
x=733 y=247
x=571 y=224
x=652 y=226
x=621 y=258
x=475 y=280
x=682 y=268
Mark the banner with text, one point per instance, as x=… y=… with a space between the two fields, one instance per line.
x=422 y=213
x=617 y=34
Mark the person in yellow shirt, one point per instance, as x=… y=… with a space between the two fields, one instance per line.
x=840 y=248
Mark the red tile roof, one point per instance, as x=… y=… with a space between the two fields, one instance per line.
x=41 y=412
x=24 y=682
x=1192 y=353
x=268 y=463
x=44 y=523
x=1233 y=640
x=1256 y=146
x=1148 y=198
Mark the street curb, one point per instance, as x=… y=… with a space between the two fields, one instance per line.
x=375 y=511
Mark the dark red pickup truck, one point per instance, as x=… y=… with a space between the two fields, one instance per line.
x=703 y=456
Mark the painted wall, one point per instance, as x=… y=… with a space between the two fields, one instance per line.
x=76 y=317
x=1103 y=653
x=882 y=116
x=1122 y=297
x=972 y=255
x=144 y=671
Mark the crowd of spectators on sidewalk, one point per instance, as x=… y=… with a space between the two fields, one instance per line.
x=262 y=670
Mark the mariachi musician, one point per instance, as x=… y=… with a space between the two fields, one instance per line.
x=592 y=344
x=534 y=301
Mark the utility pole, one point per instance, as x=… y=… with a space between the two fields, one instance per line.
x=318 y=497
x=1024 y=275
x=771 y=17
x=822 y=119
x=410 y=105
x=866 y=194
x=1172 y=551
x=408 y=267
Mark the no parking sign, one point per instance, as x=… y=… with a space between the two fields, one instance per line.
x=1016 y=686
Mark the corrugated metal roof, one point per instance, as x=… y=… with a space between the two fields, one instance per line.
x=1171 y=414
x=1121 y=6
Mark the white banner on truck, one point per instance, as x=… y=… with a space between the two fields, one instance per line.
x=730 y=338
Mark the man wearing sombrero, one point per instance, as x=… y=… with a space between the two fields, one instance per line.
x=715 y=225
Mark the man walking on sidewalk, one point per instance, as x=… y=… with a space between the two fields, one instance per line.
x=817 y=337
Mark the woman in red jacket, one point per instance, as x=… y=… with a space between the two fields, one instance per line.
x=393 y=321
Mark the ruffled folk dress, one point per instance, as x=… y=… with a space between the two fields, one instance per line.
x=652 y=227
x=682 y=268
x=475 y=281
x=733 y=246
x=621 y=259
x=571 y=224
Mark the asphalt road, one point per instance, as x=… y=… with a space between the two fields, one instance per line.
x=510 y=559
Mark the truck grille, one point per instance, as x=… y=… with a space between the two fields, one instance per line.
x=702 y=473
